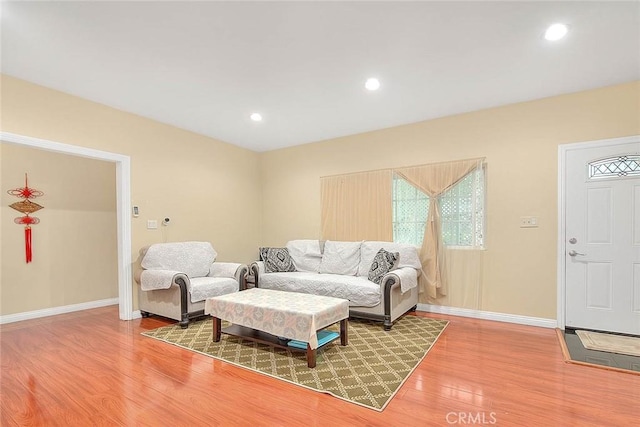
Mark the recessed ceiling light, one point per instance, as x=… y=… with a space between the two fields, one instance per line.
x=556 y=32
x=256 y=117
x=372 y=84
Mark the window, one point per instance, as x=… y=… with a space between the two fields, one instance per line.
x=461 y=212
x=615 y=167
x=410 y=211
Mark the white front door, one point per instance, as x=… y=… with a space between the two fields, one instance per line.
x=602 y=239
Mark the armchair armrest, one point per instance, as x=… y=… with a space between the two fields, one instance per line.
x=233 y=270
x=160 y=279
x=224 y=269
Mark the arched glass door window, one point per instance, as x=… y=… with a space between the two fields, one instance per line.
x=615 y=167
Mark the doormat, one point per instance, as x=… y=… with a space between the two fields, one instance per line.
x=576 y=353
x=610 y=343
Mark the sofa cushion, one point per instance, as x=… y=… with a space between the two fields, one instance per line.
x=358 y=290
x=306 y=254
x=408 y=255
x=383 y=262
x=276 y=260
x=192 y=258
x=340 y=258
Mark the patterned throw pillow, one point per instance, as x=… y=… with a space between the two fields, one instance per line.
x=383 y=263
x=276 y=260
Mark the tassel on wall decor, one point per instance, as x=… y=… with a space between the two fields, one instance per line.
x=27 y=207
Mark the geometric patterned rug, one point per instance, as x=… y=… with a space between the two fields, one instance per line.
x=368 y=371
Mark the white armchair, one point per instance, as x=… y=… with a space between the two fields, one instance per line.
x=176 y=278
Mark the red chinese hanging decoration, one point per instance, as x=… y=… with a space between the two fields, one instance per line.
x=27 y=207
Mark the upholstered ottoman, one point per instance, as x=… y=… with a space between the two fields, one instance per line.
x=272 y=317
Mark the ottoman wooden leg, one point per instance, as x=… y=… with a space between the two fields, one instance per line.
x=311 y=357
x=216 y=329
x=344 y=335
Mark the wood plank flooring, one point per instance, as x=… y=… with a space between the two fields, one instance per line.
x=90 y=369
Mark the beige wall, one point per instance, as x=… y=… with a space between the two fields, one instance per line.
x=240 y=200
x=209 y=189
x=520 y=143
x=74 y=245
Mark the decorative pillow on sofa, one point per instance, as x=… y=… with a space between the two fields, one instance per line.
x=383 y=263
x=276 y=260
x=408 y=255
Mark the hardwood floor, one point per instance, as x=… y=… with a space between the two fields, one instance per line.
x=90 y=369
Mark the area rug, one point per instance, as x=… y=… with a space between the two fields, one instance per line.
x=610 y=343
x=368 y=371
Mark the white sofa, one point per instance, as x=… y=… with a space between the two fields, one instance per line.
x=341 y=269
x=176 y=278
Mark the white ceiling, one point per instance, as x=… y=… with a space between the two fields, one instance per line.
x=206 y=66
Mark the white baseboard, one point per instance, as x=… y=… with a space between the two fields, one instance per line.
x=430 y=308
x=9 y=318
x=489 y=315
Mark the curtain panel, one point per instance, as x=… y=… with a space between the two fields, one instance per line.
x=434 y=179
x=358 y=206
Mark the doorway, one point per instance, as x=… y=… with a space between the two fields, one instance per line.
x=599 y=236
x=123 y=206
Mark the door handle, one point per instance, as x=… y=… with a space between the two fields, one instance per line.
x=574 y=253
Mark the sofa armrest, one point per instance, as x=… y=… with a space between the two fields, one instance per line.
x=393 y=279
x=407 y=277
x=256 y=268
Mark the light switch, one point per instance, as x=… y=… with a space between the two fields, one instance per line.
x=528 y=221
x=152 y=224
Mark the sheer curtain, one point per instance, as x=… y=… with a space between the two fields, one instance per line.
x=434 y=179
x=357 y=206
